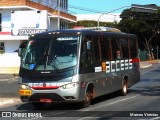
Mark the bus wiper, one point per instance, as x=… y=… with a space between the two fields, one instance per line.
x=45 y=56
x=48 y=54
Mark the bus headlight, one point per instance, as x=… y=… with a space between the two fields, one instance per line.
x=23 y=87
x=70 y=85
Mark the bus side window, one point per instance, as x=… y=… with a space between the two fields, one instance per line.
x=124 y=47
x=96 y=49
x=87 y=53
x=133 y=48
x=116 y=49
x=105 y=49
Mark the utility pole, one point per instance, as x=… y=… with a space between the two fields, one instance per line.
x=108 y=13
x=58 y=14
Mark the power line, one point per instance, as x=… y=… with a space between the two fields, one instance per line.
x=86 y=9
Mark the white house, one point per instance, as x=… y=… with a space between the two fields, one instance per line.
x=9 y=42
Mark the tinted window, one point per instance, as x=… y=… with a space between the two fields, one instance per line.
x=90 y=56
x=116 y=49
x=96 y=47
x=105 y=49
x=124 y=48
x=133 y=48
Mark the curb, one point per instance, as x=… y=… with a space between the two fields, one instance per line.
x=7 y=79
x=149 y=63
x=146 y=66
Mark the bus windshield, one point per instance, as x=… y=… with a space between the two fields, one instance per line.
x=51 y=53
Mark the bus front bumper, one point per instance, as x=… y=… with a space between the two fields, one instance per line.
x=53 y=95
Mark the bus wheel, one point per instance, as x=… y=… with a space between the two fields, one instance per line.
x=38 y=105
x=87 y=101
x=124 y=89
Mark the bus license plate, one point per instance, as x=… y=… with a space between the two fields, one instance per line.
x=25 y=92
x=45 y=100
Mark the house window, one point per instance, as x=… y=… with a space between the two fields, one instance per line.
x=2 y=48
x=39 y=1
x=66 y=4
x=63 y=25
x=61 y=4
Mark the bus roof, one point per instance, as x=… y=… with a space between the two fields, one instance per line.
x=86 y=31
x=107 y=29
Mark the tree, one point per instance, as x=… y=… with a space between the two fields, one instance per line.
x=144 y=25
x=92 y=23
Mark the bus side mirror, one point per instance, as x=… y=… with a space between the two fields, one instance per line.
x=21 y=48
x=88 y=45
x=20 y=52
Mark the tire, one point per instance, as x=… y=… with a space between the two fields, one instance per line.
x=87 y=101
x=38 y=105
x=124 y=89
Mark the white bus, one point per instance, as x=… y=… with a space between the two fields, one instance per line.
x=77 y=66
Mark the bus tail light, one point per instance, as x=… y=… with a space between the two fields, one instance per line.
x=135 y=60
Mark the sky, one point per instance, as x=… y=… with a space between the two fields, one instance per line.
x=104 y=5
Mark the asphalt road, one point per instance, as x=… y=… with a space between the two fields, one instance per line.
x=141 y=101
x=9 y=87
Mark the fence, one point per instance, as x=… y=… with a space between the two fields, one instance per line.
x=143 y=55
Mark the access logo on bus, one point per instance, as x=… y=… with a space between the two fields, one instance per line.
x=113 y=66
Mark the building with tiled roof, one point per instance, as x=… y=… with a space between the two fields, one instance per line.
x=9 y=60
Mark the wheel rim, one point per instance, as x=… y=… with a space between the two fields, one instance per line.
x=125 y=87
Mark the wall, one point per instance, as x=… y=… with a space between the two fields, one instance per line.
x=10 y=61
x=53 y=24
x=10 y=58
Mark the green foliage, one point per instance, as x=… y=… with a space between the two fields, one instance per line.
x=1 y=51
x=92 y=23
x=134 y=26
x=144 y=25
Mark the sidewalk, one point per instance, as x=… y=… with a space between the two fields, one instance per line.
x=9 y=70
x=8 y=77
